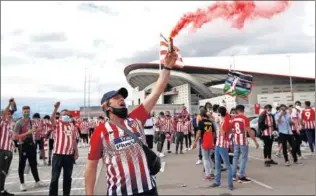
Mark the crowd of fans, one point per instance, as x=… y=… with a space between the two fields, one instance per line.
x=221 y=136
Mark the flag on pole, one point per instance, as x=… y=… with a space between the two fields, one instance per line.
x=164 y=51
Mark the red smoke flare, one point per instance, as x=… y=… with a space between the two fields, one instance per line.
x=236 y=12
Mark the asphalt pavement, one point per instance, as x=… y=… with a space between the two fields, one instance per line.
x=181 y=176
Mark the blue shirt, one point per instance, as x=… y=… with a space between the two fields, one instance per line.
x=284 y=125
x=194 y=122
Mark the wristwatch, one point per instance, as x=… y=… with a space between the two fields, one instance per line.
x=167 y=68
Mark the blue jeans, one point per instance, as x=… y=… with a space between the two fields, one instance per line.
x=243 y=149
x=310 y=133
x=207 y=161
x=222 y=153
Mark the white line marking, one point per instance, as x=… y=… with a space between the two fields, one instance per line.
x=163 y=165
x=43 y=191
x=260 y=183
x=41 y=180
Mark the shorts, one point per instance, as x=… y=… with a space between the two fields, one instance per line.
x=40 y=144
x=51 y=144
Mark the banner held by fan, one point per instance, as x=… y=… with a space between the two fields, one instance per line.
x=238 y=84
x=167 y=45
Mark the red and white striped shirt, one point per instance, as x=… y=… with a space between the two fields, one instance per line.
x=223 y=140
x=269 y=123
x=180 y=127
x=92 y=124
x=240 y=123
x=166 y=124
x=188 y=127
x=47 y=126
x=64 y=138
x=84 y=127
x=125 y=160
x=308 y=118
x=6 y=142
x=295 y=115
x=40 y=133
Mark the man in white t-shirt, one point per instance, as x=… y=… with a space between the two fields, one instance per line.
x=149 y=130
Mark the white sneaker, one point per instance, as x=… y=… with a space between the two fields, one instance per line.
x=23 y=187
x=312 y=154
x=161 y=155
x=39 y=184
x=301 y=157
x=198 y=162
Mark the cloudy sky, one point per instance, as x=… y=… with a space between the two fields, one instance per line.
x=46 y=46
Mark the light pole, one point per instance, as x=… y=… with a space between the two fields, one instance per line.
x=89 y=96
x=291 y=85
x=84 y=96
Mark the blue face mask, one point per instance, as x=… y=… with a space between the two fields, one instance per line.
x=66 y=118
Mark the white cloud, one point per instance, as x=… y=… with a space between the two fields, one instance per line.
x=96 y=36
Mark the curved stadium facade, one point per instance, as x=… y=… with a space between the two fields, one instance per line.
x=198 y=81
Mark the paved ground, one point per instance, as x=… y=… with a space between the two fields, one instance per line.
x=182 y=176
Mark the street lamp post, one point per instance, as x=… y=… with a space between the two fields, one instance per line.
x=89 y=96
x=84 y=97
x=291 y=85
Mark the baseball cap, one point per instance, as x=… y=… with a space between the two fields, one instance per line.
x=107 y=96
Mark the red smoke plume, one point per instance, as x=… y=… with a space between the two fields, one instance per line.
x=236 y=12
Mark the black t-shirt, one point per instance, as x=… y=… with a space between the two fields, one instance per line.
x=206 y=124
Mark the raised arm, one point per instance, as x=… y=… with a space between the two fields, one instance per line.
x=6 y=109
x=53 y=117
x=161 y=83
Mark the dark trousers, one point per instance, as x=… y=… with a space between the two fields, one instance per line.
x=285 y=138
x=179 y=141
x=310 y=134
x=27 y=151
x=65 y=162
x=150 y=141
x=188 y=140
x=91 y=130
x=5 y=162
x=298 y=142
x=161 y=141
x=85 y=138
x=267 y=148
x=200 y=151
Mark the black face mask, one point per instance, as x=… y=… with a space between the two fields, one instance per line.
x=120 y=112
x=57 y=117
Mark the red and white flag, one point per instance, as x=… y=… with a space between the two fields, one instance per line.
x=164 y=50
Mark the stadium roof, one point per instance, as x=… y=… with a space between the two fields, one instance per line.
x=213 y=70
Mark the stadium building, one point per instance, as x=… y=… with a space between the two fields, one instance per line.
x=202 y=80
